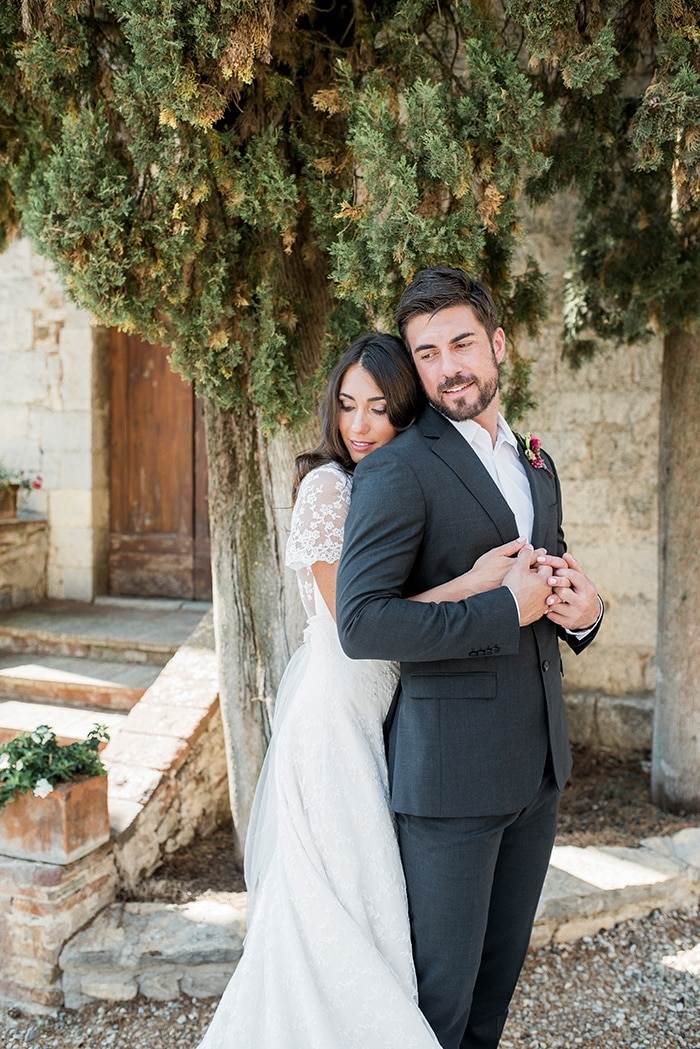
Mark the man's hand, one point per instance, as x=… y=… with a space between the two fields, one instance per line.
x=574 y=602
x=530 y=581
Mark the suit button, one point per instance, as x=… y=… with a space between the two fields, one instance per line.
x=545 y=665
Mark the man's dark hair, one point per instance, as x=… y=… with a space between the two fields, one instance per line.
x=438 y=287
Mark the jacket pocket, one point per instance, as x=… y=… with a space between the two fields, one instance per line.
x=481 y=685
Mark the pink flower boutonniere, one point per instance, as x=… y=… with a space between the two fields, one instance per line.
x=532 y=446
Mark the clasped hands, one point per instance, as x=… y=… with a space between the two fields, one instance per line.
x=543 y=584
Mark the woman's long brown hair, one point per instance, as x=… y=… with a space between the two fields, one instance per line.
x=387 y=360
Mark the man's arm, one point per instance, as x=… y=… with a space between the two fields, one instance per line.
x=383 y=534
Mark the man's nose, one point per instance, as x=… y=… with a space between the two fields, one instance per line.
x=448 y=364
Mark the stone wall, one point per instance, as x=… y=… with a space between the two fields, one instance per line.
x=53 y=416
x=23 y=557
x=167 y=765
x=601 y=424
x=41 y=906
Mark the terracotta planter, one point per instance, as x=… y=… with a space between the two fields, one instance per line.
x=60 y=828
x=8 y=500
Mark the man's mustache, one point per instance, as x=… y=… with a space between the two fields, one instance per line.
x=456 y=380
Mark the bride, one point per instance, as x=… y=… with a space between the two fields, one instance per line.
x=327 y=960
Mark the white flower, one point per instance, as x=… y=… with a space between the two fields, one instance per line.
x=4 y=761
x=43 y=788
x=41 y=735
x=19 y=765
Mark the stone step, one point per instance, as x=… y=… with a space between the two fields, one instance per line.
x=38 y=642
x=70 y=724
x=112 y=629
x=63 y=680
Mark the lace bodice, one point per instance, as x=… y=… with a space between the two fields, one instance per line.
x=318 y=523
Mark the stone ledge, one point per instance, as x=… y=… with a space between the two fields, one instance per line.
x=158 y=950
x=619 y=723
x=597 y=887
x=163 y=950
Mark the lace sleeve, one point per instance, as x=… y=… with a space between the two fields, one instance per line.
x=318 y=519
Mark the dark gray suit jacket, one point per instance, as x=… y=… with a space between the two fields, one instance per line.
x=480 y=698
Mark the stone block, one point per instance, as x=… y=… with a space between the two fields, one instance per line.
x=580 y=716
x=75 y=350
x=65 y=431
x=123 y=813
x=164 y=986
x=132 y=783
x=207 y=981
x=157 y=719
x=78 y=584
x=110 y=988
x=71 y=509
x=136 y=855
x=39 y=1001
x=683 y=847
x=165 y=753
x=625 y=722
x=23 y=562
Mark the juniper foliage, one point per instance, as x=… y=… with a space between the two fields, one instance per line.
x=171 y=157
x=626 y=76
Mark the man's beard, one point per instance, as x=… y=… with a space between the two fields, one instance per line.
x=467 y=407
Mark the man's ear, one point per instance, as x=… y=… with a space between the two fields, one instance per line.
x=499 y=344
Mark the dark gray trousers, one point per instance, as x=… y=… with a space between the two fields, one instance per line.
x=473 y=887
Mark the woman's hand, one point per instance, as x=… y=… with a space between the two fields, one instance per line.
x=490 y=569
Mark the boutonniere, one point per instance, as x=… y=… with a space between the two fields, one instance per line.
x=532 y=446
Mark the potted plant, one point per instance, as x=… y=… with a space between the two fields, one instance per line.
x=11 y=481
x=53 y=797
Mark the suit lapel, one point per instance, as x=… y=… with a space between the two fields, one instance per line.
x=449 y=445
x=540 y=482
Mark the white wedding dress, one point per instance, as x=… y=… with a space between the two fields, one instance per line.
x=327 y=960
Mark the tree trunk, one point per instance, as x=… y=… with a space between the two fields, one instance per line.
x=676 y=749
x=257 y=612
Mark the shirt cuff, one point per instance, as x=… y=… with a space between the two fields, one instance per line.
x=580 y=634
x=517 y=606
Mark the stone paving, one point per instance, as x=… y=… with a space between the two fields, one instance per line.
x=161 y=950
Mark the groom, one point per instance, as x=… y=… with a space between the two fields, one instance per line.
x=476 y=738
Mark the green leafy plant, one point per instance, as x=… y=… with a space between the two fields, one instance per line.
x=36 y=761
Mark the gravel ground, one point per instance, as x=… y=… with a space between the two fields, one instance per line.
x=609 y=991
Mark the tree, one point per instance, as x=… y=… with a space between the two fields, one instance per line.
x=627 y=78
x=251 y=182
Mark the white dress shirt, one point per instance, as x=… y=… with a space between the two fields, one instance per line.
x=507 y=471
x=505 y=467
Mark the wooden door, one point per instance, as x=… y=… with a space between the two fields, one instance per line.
x=159 y=526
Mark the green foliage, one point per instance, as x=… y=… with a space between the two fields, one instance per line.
x=253 y=183
x=632 y=151
x=36 y=761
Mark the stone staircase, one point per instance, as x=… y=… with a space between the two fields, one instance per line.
x=73 y=664
x=147 y=670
